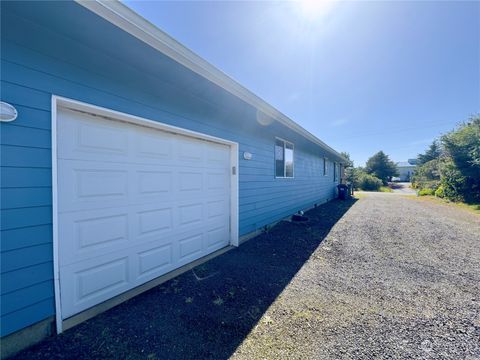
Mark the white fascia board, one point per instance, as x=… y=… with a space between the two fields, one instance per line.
x=126 y=19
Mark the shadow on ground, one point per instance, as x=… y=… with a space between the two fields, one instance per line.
x=205 y=313
x=394 y=185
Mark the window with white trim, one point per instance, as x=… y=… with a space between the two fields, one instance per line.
x=283 y=159
x=325 y=167
x=334 y=171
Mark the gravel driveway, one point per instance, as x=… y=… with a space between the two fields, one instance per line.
x=387 y=277
x=396 y=278
x=403 y=188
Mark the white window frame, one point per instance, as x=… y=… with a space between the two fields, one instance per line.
x=284 y=162
x=335 y=172
x=325 y=166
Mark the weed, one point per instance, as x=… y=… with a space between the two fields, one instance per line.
x=266 y=229
x=218 y=301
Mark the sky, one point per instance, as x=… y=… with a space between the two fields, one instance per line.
x=362 y=76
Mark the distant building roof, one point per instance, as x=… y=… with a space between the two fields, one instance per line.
x=406 y=163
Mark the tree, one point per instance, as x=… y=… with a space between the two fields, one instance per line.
x=351 y=173
x=427 y=175
x=432 y=153
x=381 y=166
x=368 y=182
x=455 y=171
x=463 y=147
x=461 y=178
x=349 y=162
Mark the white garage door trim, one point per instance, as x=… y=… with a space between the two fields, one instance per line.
x=61 y=102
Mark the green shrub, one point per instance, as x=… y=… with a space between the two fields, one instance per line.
x=427 y=175
x=454 y=185
x=424 y=192
x=460 y=175
x=439 y=192
x=385 y=189
x=453 y=162
x=369 y=182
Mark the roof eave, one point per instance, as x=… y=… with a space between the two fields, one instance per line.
x=126 y=19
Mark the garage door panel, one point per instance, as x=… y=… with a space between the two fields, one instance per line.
x=152 y=145
x=190 y=214
x=84 y=137
x=191 y=247
x=93 y=137
x=103 y=184
x=154 y=182
x=102 y=278
x=101 y=231
x=190 y=151
x=217 y=156
x=154 y=262
x=91 y=234
x=94 y=233
x=217 y=208
x=218 y=180
x=217 y=237
x=94 y=281
x=135 y=206
x=86 y=185
x=190 y=181
x=155 y=221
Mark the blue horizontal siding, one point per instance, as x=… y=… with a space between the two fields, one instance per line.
x=17 y=177
x=29 y=315
x=25 y=237
x=20 y=156
x=31 y=117
x=12 y=134
x=19 y=279
x=24 y=217
x=13 y=198
x=23 y=298
x=26 y=257
x=40 y=58
x=23 y=95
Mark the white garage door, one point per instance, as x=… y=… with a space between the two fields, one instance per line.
x=133 y=203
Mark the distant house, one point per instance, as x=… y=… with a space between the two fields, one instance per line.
x=406 y=169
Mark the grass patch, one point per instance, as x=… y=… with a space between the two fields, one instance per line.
x=426 y=192
x=357 y=195
x=474 y=208
x=385 y=189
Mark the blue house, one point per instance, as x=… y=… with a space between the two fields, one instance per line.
x=129 y=160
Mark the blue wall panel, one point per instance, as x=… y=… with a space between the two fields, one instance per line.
x=28 y=315
x=16 y=280
x=42 y=54
x=25 y=297
x=13 y=198
x=25 y=216
x=26 y=257
x=25 y=237
x=18 y=177
x=12 y=134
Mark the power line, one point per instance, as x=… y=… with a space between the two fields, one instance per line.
x=390 y=130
